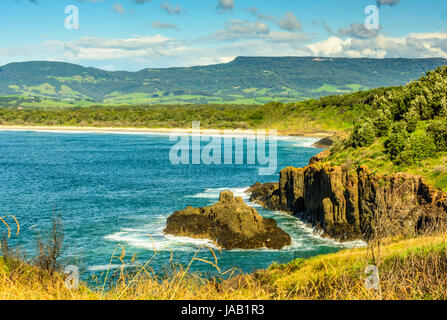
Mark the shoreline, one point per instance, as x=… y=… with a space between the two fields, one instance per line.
x=304 y=134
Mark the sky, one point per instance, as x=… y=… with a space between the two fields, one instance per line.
x=136 y=34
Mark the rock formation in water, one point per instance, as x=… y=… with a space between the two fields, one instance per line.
x=352 y=204
x=324 y=143
x=230 y=223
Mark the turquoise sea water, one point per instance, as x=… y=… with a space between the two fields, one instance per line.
x=116 y=189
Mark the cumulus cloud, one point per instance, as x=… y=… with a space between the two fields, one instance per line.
x=239 y=37
x=141 y=1
x=118 y=9
x=167 y=25
x=32 y=1
x=225 y=5
x=288 y=23
x=171 y=10
x=418 y=45
x=387 y=2
x=240 y=29
x=359 y=31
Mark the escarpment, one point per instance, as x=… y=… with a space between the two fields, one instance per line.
x=354 y=204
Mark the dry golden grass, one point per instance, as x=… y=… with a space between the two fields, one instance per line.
x=408 y=269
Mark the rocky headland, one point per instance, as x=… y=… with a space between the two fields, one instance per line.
x=230 y=223
x=348 y=204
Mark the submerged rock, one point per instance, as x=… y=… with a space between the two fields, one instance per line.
x=230 y=223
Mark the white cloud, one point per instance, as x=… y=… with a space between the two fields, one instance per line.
x=225 y=5
x=358 y=30
x=290 y=22
x=236 y=30
x=240 y=38
x=169 y=9
x=165 y=25
x=417 y=45
x=118 y=9
x=240 y=29
x=387 y=2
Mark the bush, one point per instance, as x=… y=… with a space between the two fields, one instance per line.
x=364 y=134
x=412 y=117
x=50 y=247
x=383 y=122
x=418 y=148
x=397 y=140
x=438 y=130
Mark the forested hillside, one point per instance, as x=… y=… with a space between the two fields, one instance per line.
x=404 y=129
x=246 y=80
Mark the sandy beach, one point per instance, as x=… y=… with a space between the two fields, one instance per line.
x=296 y=133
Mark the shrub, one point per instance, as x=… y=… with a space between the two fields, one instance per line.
x=383 y=122
x=50 y=247
x=364 y=134
x=418 y=148
x=412 y=117
x=396 y=141
x=438 y=130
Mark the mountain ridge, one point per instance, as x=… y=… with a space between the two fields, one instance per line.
x=245 y=80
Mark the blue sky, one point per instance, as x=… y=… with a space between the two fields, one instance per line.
x=135 y=34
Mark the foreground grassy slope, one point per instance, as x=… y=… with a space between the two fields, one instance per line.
x=408 y=269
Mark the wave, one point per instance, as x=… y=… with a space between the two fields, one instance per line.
x=214 y=193
x=309 y=232
x=151 y=236
x=106 y=267
x=138 y=239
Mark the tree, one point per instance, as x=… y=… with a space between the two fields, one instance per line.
x=438 y=130
x=396 y=141
x=364 y=134
x=412 y=117
x=383 y=122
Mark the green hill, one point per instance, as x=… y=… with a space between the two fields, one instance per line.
x=246 y=80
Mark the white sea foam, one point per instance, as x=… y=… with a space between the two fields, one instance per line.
x=305 y=142
x=317 y=234
x=158 y=242
x=301 y=233
x=214 y=193
x=105 y=267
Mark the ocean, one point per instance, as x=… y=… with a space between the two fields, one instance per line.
x=114 y=192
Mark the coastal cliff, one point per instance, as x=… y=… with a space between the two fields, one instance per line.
x=351 y=204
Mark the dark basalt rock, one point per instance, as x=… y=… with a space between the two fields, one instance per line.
x=324 y=143
x=230 y=223
x=345 y=204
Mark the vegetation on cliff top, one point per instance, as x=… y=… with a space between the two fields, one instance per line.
x=404 y=130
